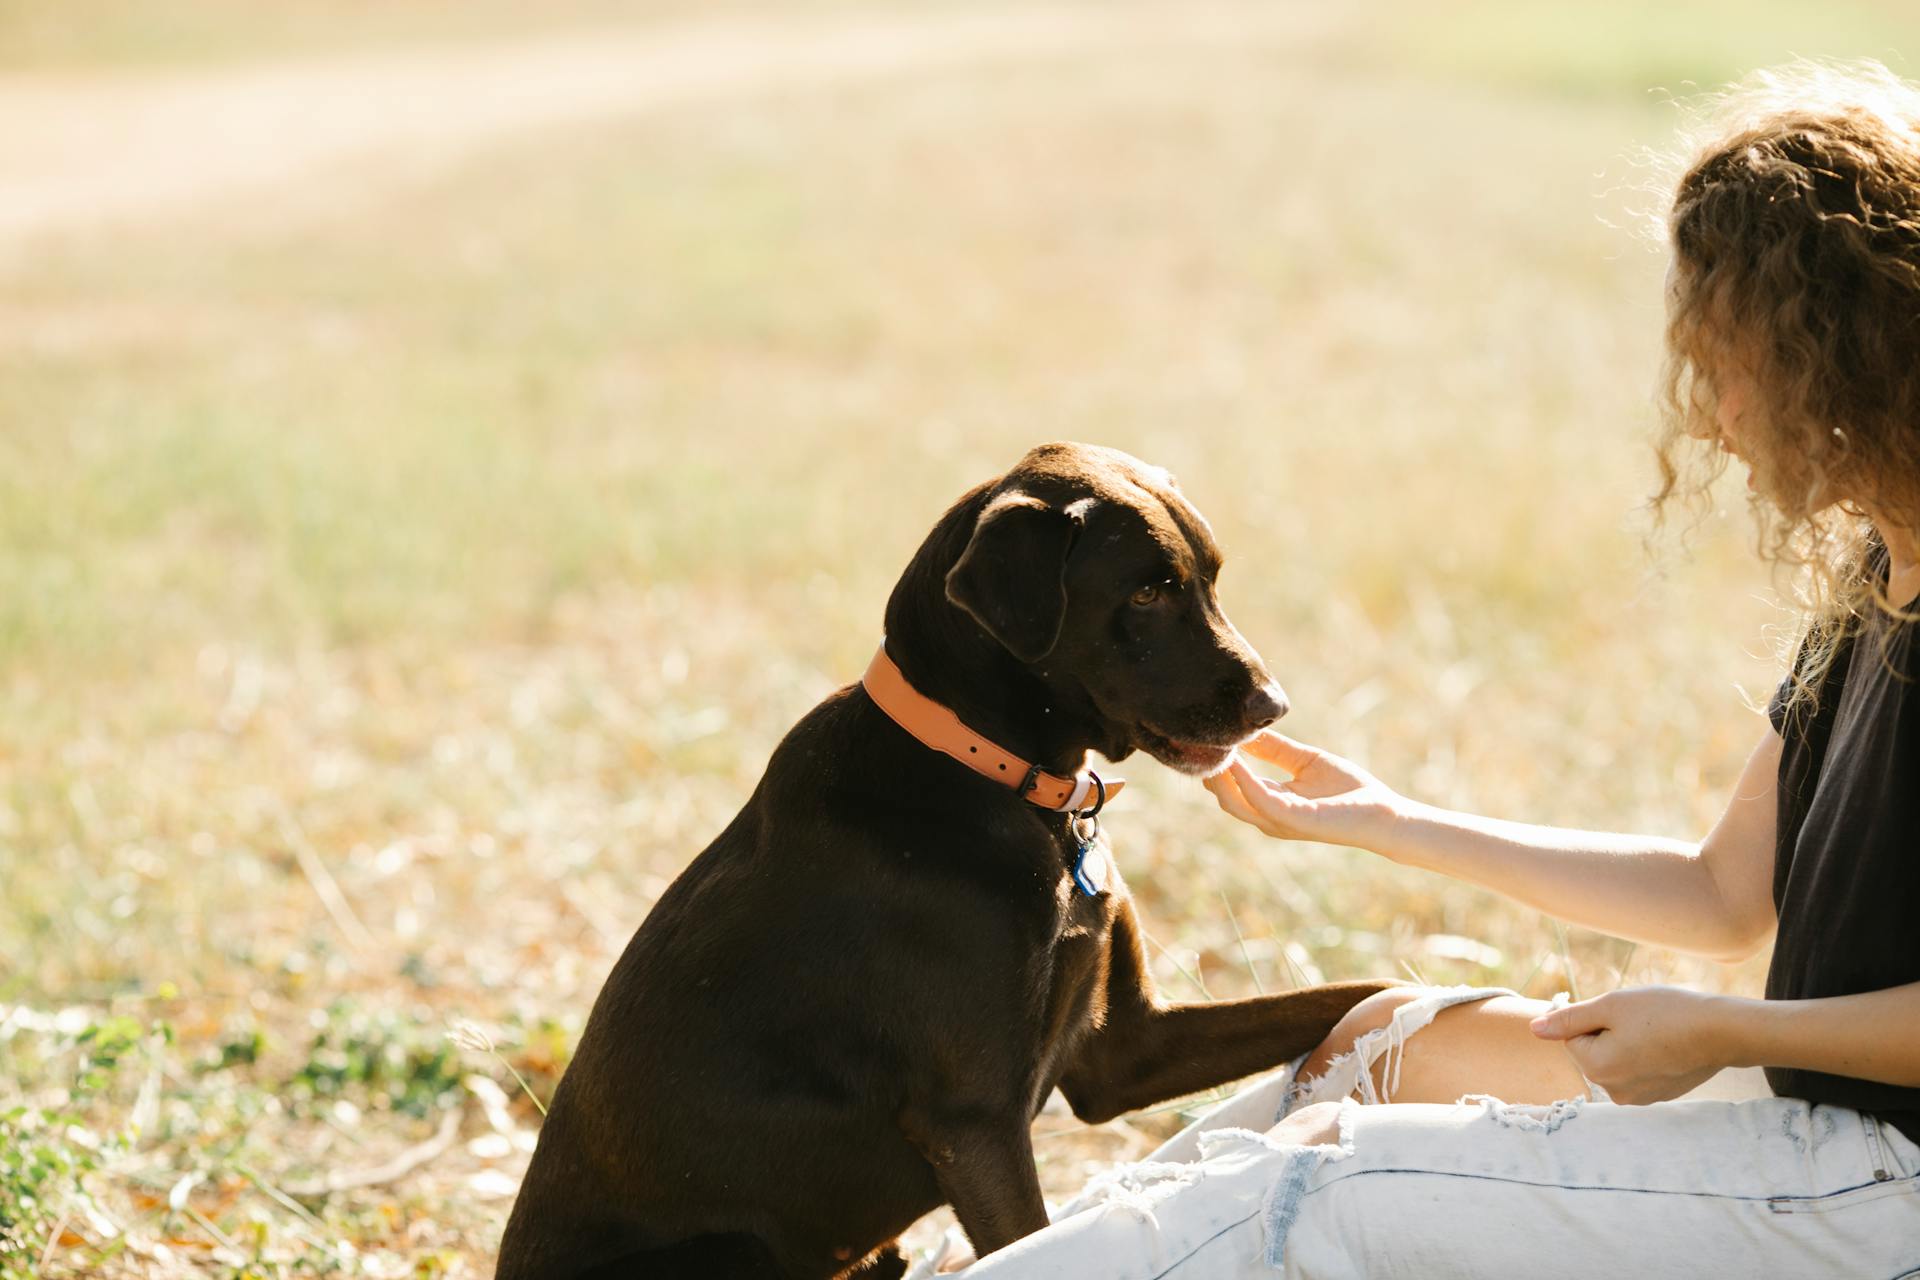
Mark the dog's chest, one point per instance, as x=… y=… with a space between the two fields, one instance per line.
x=1077 y=972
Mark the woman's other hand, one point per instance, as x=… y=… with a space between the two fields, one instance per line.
x=1325 y=798
x=1642 y=1044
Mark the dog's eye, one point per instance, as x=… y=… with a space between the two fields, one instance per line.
x=1145 y=596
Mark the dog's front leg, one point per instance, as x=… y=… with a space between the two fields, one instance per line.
x=984 y=1164
x=1146 y=1051
x=1175 y=1050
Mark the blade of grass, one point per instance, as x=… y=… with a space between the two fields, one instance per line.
x=1244 y=954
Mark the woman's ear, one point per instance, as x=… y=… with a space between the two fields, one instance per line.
x=1012 y=577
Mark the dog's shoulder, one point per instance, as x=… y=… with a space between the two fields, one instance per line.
x=854 y=795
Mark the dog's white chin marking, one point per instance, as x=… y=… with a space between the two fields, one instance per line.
x=1218 y=769
x=1204 y=767
x=1195 y=759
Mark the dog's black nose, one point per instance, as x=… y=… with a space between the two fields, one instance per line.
x=1267 y=703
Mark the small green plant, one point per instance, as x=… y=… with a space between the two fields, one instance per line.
x=48 y=1148
x=378 y=1057
x=242 y=1048
x=41 y=1165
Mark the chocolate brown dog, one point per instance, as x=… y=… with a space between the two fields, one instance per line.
x=848 y=1009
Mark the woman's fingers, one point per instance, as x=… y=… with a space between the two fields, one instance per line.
x=1278 y=748
x=1227 y=792
x=1268 y=799
x=1573 y=1020
x=1254 y=787
x=1221 y=785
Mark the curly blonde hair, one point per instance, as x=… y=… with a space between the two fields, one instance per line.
x=1795 y=232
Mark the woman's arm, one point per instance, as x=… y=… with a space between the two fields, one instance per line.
x=1647 y=1044
x=1713 y=899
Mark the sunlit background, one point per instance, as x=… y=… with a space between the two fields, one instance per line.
x=444 y=445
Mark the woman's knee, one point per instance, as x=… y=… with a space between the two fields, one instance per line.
x=1482 y=1046
x=1489 y=1047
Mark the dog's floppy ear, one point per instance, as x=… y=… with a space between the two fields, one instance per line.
x=1012 y=576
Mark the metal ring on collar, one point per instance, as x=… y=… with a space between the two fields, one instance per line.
x=1100 y=799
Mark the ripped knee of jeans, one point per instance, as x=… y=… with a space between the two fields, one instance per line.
x=1351 y=1075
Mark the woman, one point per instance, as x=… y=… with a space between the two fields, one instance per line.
x=1794 y=346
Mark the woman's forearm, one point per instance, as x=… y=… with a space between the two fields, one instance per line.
x=1714 y=898
x=1871 y=1036
x=1644 y=888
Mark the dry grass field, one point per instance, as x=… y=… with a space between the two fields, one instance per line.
x=407 y=564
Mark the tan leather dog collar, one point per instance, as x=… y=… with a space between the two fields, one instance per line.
x=938 y=727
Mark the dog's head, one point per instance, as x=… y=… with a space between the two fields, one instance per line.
x=1089 y=567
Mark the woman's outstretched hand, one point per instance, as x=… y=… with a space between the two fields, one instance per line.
x=1325 y=798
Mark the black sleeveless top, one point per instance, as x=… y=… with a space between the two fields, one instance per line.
x=1846 y=872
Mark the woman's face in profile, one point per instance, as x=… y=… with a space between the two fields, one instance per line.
x=1739 y=422
x=1733 y=392
x=1732 y=389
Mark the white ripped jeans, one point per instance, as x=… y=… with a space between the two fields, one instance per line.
x=1762 y=1189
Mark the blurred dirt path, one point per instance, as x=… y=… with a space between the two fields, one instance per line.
x=85 y=152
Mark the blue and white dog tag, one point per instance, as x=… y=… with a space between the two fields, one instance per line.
x=1091 y=866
